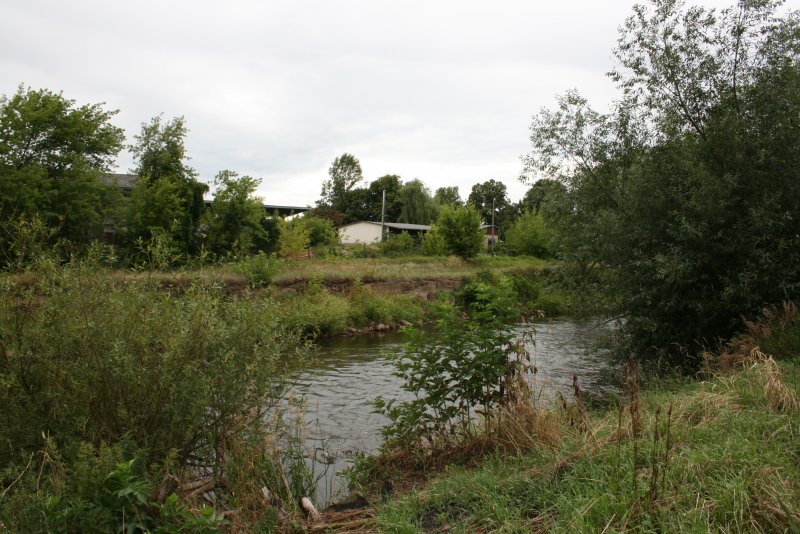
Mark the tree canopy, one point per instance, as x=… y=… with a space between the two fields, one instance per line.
x=687 y=190
x=345 y=173
x=168 y=195
x=447 y=195
x=491 y=192
x=460 y=229
x=52 y=153
x=417 y=204
x=235 y=214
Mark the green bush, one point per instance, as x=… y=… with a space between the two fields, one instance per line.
x=397 y=244
x=362 y=250
x=460 y=227
x=98 y=492
x=529 y=235
x=320 y=231
x=259 y=269
x=389 y=309
x=90 y=361
x=451 y=378
x=433 y=243
x=317 y=312
x=294 y=239
x=491 y=294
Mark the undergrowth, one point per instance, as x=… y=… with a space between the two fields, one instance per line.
x=132 y=408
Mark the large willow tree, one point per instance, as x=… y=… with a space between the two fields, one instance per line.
x=688 y=192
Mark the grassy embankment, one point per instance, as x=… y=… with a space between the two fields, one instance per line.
x=333 y=296
x=715 y=454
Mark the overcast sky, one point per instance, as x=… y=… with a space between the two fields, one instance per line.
x=440 y=90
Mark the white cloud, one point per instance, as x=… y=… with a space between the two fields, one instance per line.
x=437 y=90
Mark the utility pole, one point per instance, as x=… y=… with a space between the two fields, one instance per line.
x=492 y=241
x=383 y=215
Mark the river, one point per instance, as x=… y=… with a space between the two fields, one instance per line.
x=350 y=372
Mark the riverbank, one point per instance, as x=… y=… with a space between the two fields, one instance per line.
x=156 y=397
x=717 y=453
x=327 y=297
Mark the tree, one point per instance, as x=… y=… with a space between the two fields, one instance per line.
x=542 y=192
x=234 y=218
x=320 y=231
x=447 y=195
x=460 y=227
x=417 y=205
x=345 y=173
x=529 y=235
x=684 y=190
x=166 y=179
x=482 y=196
x=52 y=154
x=391 y=184
x=364 y=203
x=295 y=238
x=433 y=244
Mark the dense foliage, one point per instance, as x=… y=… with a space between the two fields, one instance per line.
x=418 y=206
x=108 y=386
x=490 y=199
x=52 y=154
x=457 y=374
x=235 y=215
x=460 y=229
x=529 y=235
x=688 y=190
x=167 y=196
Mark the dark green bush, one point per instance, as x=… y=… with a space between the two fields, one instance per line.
x=89 y=360
x=460 y=227
x=259 y=269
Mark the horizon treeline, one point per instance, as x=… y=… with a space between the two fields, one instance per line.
x=54 y=153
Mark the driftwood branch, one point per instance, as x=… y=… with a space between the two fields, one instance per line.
x=198 y=486
x=311 y=511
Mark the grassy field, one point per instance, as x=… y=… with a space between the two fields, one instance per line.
x=401 y=268
x=287 y=272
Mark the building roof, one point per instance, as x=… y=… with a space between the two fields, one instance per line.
x=127 y=181
x=123 y=181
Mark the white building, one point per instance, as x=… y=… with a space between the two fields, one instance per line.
x=370 y=232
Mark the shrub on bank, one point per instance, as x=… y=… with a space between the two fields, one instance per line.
x=178 y=382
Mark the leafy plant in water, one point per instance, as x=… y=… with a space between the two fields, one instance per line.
x=455 y=376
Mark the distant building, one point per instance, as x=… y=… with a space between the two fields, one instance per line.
x=370 y=232
x=124 y=182
x=491 y=235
